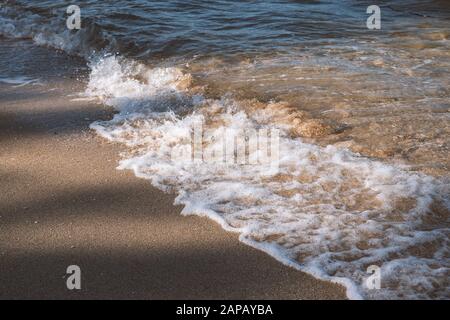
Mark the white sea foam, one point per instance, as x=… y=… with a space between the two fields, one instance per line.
x=325 y=211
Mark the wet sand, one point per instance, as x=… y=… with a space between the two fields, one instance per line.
x=63 y=202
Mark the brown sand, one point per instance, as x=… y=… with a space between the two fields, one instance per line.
x=62 y=202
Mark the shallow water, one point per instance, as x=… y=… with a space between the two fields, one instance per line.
x=363 y=115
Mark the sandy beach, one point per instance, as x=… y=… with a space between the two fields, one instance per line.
x=63 y=202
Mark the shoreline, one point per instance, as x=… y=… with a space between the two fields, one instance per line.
x=64 y=202
x=364 y=179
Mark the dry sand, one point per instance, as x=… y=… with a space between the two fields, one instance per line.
x=62 y=202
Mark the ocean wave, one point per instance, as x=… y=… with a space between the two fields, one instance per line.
x=21 y=23
x=326 y=211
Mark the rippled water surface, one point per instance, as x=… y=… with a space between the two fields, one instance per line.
x=364 y=117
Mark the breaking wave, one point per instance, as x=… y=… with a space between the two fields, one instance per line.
x=42 y=29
